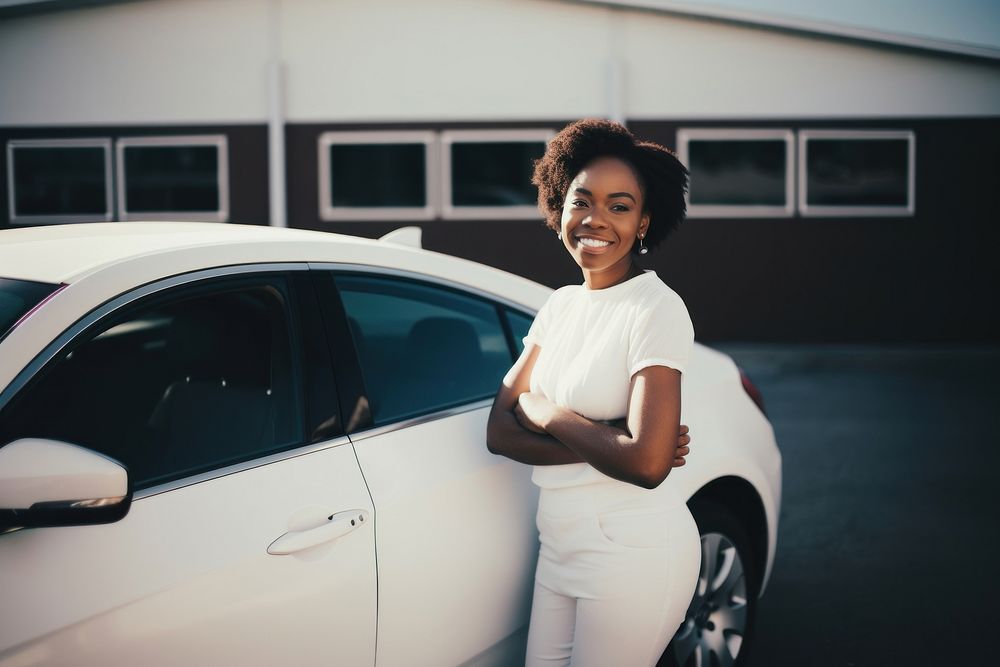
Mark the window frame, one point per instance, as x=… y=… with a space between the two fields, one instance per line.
x=219 y=141
x=303 y=351
x=450 y=137
x=85 y=142
x=405 y=283
x=329 y=213
x=515 y=342
x=350 y=378
x=841 y=211
x=687 y=134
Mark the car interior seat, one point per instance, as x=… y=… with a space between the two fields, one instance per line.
x=220 y=405
x=442 y=363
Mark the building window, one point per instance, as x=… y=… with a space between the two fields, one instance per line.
x=487 y=173
x=59 y=180
x=173 y=178
x=376 y=175
x=856 y=173
x=739 y=173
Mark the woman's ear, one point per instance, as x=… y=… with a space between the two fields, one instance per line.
x=644 y=224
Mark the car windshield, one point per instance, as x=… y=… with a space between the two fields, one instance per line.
x=18 y=297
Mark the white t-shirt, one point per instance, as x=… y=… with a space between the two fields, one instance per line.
x=592 y=343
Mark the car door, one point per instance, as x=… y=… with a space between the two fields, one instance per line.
x=455 y=527
x=250 y=538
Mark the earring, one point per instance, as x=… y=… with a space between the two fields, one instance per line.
x=559 y=235
x=642 y=247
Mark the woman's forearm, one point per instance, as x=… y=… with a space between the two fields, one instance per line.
x=642 y=455
x=612 y=450
x=505 y=436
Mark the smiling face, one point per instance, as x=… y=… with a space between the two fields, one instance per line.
x=602 y=217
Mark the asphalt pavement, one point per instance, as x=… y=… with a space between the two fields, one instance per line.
x=888 y=538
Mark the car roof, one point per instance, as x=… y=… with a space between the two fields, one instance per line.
x=62 y=253
x=98 y=262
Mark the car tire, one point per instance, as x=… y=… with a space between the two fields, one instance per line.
x=719 y=622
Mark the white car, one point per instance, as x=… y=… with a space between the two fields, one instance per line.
x=239 y=445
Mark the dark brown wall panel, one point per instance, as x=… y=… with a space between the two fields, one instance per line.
x=926 y=278
x=248 y=174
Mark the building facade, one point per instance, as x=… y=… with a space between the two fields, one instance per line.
x=844 y=186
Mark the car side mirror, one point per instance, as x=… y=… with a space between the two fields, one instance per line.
x=51 y=483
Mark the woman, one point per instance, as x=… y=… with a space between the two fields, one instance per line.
x=594 y=404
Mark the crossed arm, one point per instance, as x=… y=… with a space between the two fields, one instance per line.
x=527 y=427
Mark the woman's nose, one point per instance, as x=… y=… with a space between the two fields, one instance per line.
x=594 y=219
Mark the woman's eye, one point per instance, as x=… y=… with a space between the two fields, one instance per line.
x=620 y=208
x=579 y=203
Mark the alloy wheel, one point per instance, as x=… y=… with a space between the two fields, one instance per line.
x=716 y=621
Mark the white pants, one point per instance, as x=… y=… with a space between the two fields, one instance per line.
x=617 y=569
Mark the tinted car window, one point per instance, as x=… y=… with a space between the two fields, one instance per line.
x=181 y=385
x=422 y=348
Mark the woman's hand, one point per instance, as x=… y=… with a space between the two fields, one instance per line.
x=533 y=410
x=683 y=446
x=683 y=441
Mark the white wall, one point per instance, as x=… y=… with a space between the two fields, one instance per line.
x=691 y=68
x=158 y=61
x=204 y=61
x=443 y=59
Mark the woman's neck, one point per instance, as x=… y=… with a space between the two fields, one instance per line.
x=596 y=280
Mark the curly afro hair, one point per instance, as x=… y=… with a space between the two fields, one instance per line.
x=662 y=178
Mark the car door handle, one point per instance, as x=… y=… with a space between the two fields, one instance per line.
x=337 y=525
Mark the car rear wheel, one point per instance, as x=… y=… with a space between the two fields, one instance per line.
x=719 y=620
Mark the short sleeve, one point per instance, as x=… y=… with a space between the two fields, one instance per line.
x=539 y=327
x=663 y=335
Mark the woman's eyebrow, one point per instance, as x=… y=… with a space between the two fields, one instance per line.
x=585 y=191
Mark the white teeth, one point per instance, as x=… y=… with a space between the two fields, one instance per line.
x=594 y=243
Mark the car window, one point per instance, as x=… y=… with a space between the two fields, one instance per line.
x=181 y=384
x=421 y=347
x=519 y=325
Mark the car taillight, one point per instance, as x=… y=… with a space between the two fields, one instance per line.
x=752 y=391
